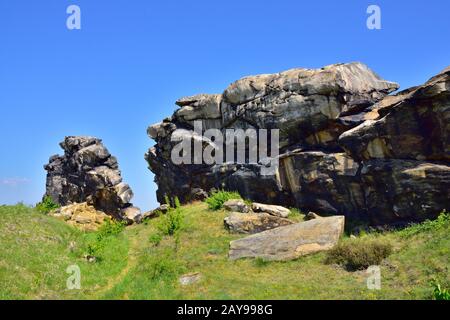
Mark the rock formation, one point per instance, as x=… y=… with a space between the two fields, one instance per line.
x=290 y=242
x=251 y=222
x=236 y=205
x=81 y=216
x=346 y=146
x=259 y=218
x=88 y=173
x=277 y=211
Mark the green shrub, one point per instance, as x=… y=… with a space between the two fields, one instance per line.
x=164 y=266
x=439 y=293
x=172 y=221
x=109 y=229
x=46 y=205
x=95 y=248
x=261 y=262
x=155 y=239
x=443 y=221
x=359 y=255
x=216 y=200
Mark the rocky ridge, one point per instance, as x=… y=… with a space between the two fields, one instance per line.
x=347 y=147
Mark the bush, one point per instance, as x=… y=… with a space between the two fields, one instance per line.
x=46 y=205
x=155 y=239
x=439 y=293
x=165 y=266
x=218 y=198
x=172 y=221
x=443 y=221
x=359 y=255
x=108 y=229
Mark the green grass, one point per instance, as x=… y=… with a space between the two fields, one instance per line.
x=441 y=223
x=439 y=292
x=136 y=264
x=296 y=215
x=37 y=249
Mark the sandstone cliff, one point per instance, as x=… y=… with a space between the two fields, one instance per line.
x=87 y=172
x=346 y=146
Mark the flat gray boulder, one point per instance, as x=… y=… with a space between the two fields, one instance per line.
x=253 y=222
x=273 y=210
x=290 y=242
x=236 y=205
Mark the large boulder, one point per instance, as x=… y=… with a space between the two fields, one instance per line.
x=277 y=211
x=338 y=126
x=253 y=222
x=87 y=172
x=290 y=242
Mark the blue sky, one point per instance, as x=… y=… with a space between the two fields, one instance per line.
x=132 y=59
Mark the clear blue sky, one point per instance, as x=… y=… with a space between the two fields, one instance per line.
x=132 y=59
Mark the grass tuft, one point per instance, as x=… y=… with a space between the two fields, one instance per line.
x=216 y=200
x=439 y=293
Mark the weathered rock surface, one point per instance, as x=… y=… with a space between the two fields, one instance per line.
x=290 y=242
x=346 y=146
x=312 y=216
x=236 y=205
x=162 y=209
x=253 y=222
x=273 y=210
x=190 y=278
x=414 y=126
x=87 y=172
x=81 y=216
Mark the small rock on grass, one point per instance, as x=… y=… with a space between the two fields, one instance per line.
x=190 y=278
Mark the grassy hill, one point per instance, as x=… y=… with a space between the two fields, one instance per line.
x=139 y=263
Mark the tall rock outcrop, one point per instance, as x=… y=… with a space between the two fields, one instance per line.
x=87 y=172
x=346 y=146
